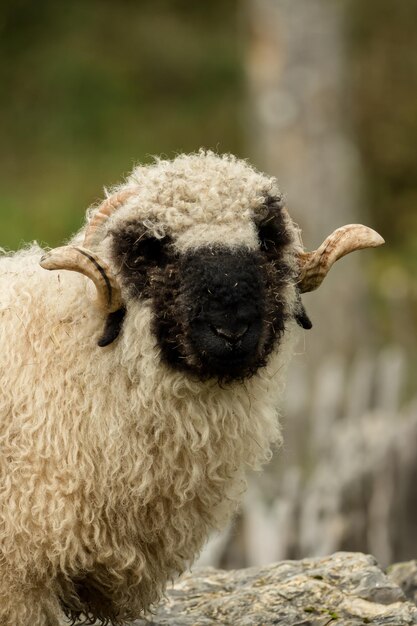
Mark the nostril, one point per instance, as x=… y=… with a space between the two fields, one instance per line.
x=231 y=334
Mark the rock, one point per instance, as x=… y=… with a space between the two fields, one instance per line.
x=405 y=576
x=345 y=589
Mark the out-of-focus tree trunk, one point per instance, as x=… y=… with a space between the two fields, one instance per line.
x=347 y=438
x=343 y=436
x=299 y=131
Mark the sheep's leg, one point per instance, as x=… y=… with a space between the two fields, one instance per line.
x=28 y=607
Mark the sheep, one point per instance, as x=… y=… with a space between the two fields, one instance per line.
x=118 y=459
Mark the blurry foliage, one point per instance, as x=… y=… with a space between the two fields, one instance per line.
x=384 y=50
x=383 y=99
x=88 y=88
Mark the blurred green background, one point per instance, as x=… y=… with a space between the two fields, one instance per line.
x=383 y=61
x=88 y=88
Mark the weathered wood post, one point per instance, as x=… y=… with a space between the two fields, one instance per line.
x=344 y=480
x=299 y=131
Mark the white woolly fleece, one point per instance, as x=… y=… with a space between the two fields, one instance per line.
x=202 y=198
x=110 y=461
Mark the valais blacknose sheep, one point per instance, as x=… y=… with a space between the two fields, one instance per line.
x=137 y=388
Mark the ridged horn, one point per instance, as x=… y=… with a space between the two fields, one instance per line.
x=315 y=265
x=93 y=233
x=109 y=296
x=86 y=262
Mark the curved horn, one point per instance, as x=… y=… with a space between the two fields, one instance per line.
x=86 y=262
x=314 y=266
x=93 y=233
x=109 y=296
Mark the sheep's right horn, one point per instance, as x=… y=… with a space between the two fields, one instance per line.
x=93 y=233
x=87 y=263
x=314 y=266
x=109 y=295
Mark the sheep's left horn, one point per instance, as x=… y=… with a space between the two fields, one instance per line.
x=314 y=266
x=109 y=296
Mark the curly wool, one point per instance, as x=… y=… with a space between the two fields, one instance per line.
x=114 y=467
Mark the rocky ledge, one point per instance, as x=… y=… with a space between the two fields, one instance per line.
x=345 y=589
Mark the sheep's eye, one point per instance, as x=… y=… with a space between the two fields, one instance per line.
x=138 y=250
x=272 y=236
x=268 y=235
x=272 y=232
x=149 y=250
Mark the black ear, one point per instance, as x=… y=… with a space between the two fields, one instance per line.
x=112 y=328
x=301 y=316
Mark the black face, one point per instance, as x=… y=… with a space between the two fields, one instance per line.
x=223 y=298
x=217 y=312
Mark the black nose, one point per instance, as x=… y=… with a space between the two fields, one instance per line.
x=232 y=334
